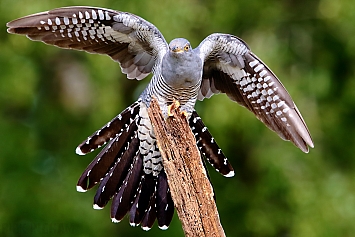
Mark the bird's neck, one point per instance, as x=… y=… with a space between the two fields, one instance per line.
x=177 y=78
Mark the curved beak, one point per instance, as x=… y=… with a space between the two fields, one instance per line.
x=176 y=49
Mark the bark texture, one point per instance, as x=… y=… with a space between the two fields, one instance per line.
x=188 y=182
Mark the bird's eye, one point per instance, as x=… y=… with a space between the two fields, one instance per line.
x=187 y=47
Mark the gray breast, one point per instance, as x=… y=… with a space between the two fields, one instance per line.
x=182 y=70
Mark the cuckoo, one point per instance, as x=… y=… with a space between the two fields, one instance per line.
x=129 y=167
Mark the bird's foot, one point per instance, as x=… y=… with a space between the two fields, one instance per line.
x=173 y=106
x=186 y=114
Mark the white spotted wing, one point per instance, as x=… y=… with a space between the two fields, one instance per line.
x=128 y=39
x=230 y=67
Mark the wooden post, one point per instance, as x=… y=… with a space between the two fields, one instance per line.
x=190 y=188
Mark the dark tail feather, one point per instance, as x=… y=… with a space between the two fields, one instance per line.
x=122 y=201
x=114 y=178
x=165 y=204
x=150 y=215
x=208 y=147
x=141 y=203
x=109 y=131
x=105 y=159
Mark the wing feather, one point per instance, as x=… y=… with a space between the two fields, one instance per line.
x=126 y=38
x=231 y=68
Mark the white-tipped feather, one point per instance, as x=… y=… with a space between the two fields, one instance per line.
x=164 y=227
x=230 y=174
x=80 y=189
x=114 y=220
x=97 y=207
x=79 y=152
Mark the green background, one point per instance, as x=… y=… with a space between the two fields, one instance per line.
x=52 y=99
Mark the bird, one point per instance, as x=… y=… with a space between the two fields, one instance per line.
x=129 y=170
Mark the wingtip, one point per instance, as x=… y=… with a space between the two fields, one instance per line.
x=311 y=144
x=9 y=30
x=303 y=131
x=306 y=151
x=10 y=24
x=306 y=146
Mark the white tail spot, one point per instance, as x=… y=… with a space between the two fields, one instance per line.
x=80 y=189
x=97 y=207
x=164 y=227
x=79 y=152
x=230 y=174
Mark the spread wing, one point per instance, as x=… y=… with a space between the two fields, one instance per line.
x=230 y=67
x=128 y=39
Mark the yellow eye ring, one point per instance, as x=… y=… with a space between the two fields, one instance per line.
x=187 y=47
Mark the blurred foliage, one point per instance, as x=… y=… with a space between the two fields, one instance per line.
x=52 y=99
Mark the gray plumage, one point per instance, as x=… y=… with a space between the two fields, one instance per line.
x=222 y=63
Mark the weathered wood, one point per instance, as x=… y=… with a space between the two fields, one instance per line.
x=190 y=188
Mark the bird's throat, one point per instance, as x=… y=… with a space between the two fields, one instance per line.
x=181 y=70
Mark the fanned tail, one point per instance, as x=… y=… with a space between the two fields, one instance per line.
x=129 y=168
x=123 y=174
x=99 y=167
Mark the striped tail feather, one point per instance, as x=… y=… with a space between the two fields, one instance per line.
x=132 y=211
x=150 y=214
x=115 y=177
x=123 y=199
x=109 y=131
x=208 y=147
x=143 y=199
x=153 y=201
x=106 y=158
x=119 y=168
x=165 y=204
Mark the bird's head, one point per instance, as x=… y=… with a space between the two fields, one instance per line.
x=180 y=45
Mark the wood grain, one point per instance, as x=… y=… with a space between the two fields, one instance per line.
x=190 y=188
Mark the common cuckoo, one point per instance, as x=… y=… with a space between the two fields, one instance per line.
x=129 y=167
